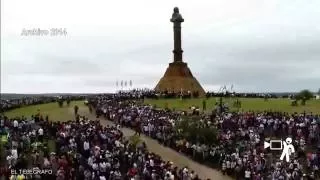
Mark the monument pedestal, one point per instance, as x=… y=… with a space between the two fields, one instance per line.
x=178 y=76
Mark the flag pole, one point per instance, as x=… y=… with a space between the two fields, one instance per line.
x=117 y=86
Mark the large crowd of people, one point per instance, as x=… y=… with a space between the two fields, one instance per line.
x=148 y=93
x=84 y=149
x=239 y=150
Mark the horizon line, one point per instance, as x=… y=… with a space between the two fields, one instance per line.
x=40 y=93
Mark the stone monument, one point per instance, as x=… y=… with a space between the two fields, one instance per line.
x=178 y=76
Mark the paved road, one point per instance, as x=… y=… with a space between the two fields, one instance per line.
x=166 y=153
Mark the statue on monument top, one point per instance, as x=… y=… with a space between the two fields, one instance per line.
x=177 y=20
x=176 y=16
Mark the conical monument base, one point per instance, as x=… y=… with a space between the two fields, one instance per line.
x=178 y=76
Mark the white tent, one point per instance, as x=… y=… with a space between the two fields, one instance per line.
x=318 y=97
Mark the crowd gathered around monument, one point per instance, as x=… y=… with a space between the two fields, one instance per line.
x=169 y=94
x=239 y=150
x=84 y=149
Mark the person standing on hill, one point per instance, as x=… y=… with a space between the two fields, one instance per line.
x=76 y=108
x=138 y=128
x=204 y=105
x=40 y=134
x=15 y=124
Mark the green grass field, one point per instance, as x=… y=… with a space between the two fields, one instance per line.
x=254 y=104
x=54 y=112
x=66 y=113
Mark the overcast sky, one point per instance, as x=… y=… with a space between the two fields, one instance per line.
x=256 y=45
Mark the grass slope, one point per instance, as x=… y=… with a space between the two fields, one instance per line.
x=255 y=104
x=54 y=112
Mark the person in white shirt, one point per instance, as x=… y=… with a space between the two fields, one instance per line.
x=103 y=167
x=167 y=175
x=151 y=162
x=86 y=145
x=2 y=123
x=224 y=167
x=9 y=160
x=105 y=112
x=14 y=153
x=117 y=174
x=33 y=133
x=15 y=124
x=228 y=165
x=40 y=132
x=46 y=163
x=86 y=148
x=90 y=160
x=146 y=129
x=247 y=174
x=95 y=166
x=150 y=129
x=13 y=157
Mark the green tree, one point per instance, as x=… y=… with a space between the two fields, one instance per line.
x=60 y=102
x=68 y=101
x=193 y=130
x=304 y=96
x=135 y=140
x=208 y=135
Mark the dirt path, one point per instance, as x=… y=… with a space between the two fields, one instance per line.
x=166 y=153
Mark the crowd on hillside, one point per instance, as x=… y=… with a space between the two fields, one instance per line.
x=239 y=150
x=148 y=93
x=84 y=150
x=9 y=104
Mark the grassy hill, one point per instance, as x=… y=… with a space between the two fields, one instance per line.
x=18 y=96
x=52 y=110
x=254 y=104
